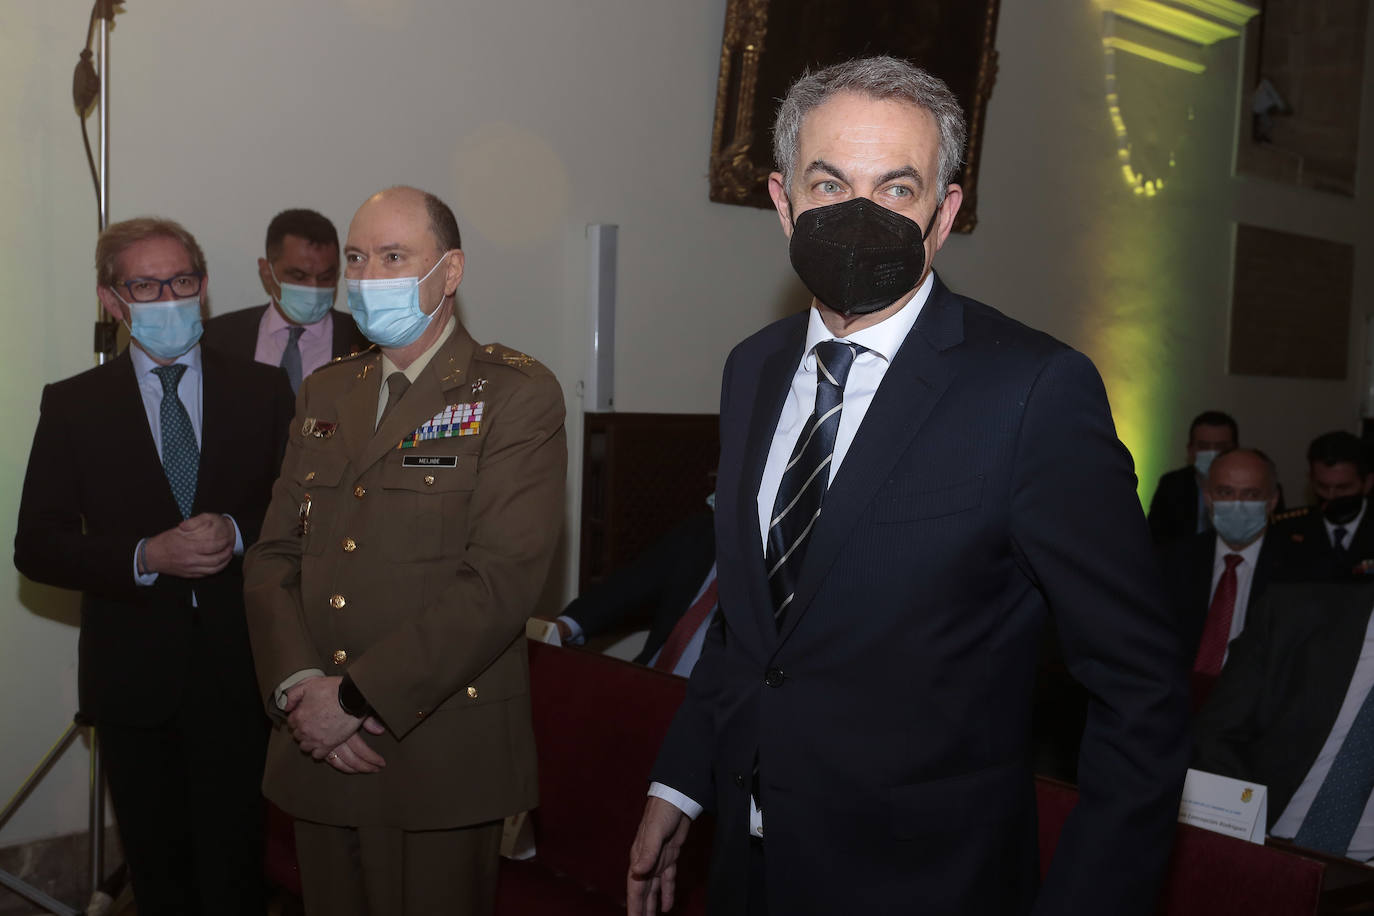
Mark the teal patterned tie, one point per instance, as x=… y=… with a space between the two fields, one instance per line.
x=1336 y=810
x=180 y=454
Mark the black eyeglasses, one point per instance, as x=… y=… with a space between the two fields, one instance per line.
x=149 y=289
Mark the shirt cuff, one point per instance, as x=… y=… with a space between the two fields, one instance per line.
x=238 y=535
x=279 y=695
x=142 y=578
x=676 y=799
x=575 y=635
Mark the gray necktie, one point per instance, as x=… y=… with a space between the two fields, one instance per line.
x=291 y=358
x=180 y=454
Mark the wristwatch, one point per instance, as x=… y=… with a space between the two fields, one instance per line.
x=351 y=699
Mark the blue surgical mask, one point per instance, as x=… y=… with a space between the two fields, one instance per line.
x=1203 y=461
x=388 y=311
x=1239 y=521
x=304 y=304
x=166 y=329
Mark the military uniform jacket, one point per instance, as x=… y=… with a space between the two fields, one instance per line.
x=414 y=569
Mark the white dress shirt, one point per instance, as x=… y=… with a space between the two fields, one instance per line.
x=1362 y=843
x=189 y=390
x=882 y=341
x=1245 y=577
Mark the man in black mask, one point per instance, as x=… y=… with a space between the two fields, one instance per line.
x=1329 y=540
x=899 y=514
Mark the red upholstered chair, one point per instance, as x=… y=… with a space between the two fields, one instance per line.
x=281 y=867
x=598 y=723
x=1209 y=874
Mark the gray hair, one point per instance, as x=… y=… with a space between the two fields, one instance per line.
x=878 y=78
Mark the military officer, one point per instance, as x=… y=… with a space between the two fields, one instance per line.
x=407 y=540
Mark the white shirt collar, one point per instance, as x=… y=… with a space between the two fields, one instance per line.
x=883 y=339
x=1250 y=553
x=144 y=364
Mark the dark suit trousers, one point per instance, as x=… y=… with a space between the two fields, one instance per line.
x=386 y=871
x=188 y=802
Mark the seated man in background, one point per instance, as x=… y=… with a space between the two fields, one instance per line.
x=298 y=328
x=1293 y=710
x=148 y=477
x=1177 y=509
x=671 y=586
x=1214 y=576
x=1328 y=541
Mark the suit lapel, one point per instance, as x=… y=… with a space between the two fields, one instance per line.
x=1334 y=654
x=357 y=409
x=216 y=444
x=917 y=379
x=775 y=380
x=126 y=412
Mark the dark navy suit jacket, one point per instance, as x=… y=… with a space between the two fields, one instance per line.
x=985 y=496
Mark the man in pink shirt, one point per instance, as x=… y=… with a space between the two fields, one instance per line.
x=298 y=328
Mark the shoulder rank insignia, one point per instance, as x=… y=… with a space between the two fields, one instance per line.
x=517 y=359
x=320 y=429
x=454 y=420
x=1299 y=512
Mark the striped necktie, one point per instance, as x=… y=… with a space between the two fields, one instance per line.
x=807 y=476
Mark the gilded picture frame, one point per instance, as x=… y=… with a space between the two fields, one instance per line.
x=769 y=43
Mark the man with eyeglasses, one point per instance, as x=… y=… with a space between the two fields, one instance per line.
x=408 y=539
x=298 y=329
x=148 y=477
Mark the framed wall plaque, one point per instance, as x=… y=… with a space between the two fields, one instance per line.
x=769 y=43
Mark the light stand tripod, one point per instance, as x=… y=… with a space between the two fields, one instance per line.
x=89 y=86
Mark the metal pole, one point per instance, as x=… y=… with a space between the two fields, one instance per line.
x=97 y=813
x=104 y=60
x=97 y=816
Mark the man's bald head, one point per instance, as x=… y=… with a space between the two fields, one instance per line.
x=443 y=226
x=1242 y=473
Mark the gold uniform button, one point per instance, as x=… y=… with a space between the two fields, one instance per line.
x=472 y=692
x=340 y=656
x=349 y=545
x=310 y=476
x=360 y=492
x=337 y=602
x=429 y=480
x=420 y=714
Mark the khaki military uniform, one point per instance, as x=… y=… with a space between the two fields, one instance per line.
x=414 y=569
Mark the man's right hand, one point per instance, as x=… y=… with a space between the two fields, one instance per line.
x=198 y=547
x=652 y=880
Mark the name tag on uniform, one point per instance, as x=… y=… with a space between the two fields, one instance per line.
x=429 y=461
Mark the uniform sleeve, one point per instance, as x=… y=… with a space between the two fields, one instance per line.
x=516 y=518
x=1078 y=529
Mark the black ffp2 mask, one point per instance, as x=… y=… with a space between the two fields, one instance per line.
x=1343 y=509
x=858 y=257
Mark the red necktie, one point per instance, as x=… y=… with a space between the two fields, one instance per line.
x=677 y=641
x=1216 y=634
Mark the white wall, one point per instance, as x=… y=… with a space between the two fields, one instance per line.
x=535 y=117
